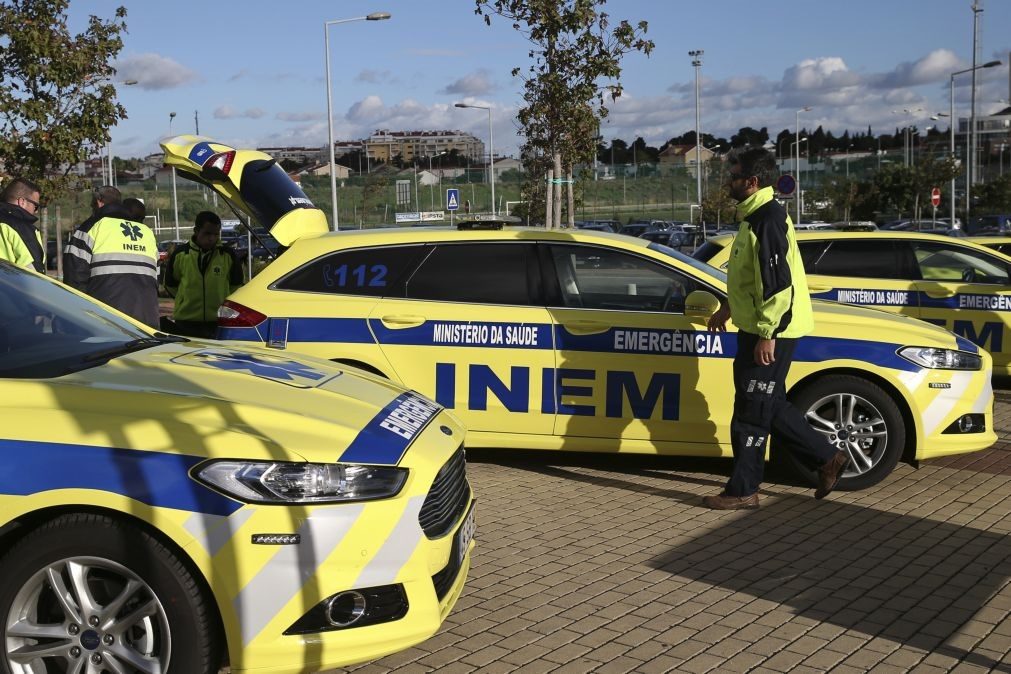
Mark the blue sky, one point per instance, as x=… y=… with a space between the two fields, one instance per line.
x=254 y=70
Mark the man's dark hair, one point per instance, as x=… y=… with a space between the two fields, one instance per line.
x=755 y=161
x=135 y=208
x=204 y=217
x=107 y=194
x=19 y=188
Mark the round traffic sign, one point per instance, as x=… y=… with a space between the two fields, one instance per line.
x=935 y=196
x=786 y=184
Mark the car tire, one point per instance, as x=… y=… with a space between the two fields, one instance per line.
x=874 y=449
x=147 y=605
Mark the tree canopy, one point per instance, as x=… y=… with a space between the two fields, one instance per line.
x=57 y=98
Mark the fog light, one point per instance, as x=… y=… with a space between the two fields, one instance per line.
x=967 y=423
x=345 y=609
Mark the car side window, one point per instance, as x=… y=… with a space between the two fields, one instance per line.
x=939 y=262
x=861 y=258
x=483 y=273
x=373 y=272
x=602 y=278
x=810 y=253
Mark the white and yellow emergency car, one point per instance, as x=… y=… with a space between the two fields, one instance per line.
x=579 y=340
x=169 y=505
x=954 y=283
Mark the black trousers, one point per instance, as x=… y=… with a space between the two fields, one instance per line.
x=761 y=407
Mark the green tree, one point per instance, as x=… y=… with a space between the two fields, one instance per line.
x=994 y=196
x=576 y=62
x=57 y=100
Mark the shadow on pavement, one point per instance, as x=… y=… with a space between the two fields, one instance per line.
x=906 y=579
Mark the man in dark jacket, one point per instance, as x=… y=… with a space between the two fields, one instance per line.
x=114 y=259
x=200 y=275
x=20 y=240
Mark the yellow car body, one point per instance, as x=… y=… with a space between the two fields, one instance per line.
x=998 y=242
x=954 y=283
x=586 y=341
x=98 y=428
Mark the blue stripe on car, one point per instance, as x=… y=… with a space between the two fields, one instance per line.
x=158 y=479
x=385 y=439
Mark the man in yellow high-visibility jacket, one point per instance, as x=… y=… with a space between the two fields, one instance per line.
x=20 y=239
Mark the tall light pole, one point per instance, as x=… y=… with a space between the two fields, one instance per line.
x=491 y=149
x=375 y=16
x=796 y=165
x=432 y=174
x=696 y=55
x=175 y=197
x=951 y=118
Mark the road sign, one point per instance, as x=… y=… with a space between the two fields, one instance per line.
x=786 y=184
x=452 y=199
x=935 y=196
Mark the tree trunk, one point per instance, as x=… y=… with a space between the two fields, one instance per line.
x=556 y=220
x=548 y=193
x=572 y=199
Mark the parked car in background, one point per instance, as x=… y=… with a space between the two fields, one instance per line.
x=596 y=225
x=673 y=238
x=999 y=242
x=984 y=224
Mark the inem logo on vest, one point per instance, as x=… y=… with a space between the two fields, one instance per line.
x=132 y=231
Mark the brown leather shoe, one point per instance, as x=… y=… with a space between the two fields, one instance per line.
x=727 y=502
x=829 y=474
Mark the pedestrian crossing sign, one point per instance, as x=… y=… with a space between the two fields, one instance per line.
x=452 y=199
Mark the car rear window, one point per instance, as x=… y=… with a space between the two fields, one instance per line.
x=858 y=259
x=485 y=273
x=372 y=272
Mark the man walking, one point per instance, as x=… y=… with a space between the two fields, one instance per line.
x=20 y=239
x=114 y=259
x=770 y=305
x=200 y=275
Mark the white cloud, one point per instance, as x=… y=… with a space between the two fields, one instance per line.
x=476 y=83
x=228 y=112
x=300 y=116
x=154 y=71
x=368 y=76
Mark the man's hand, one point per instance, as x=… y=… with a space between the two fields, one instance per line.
x=765 y=351
x=718 y=321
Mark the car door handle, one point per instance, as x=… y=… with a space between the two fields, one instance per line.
x=940 y=293
x=819 y=289
x=585 y=327
x=401 y=321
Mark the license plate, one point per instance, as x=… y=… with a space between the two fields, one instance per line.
x=465 y=534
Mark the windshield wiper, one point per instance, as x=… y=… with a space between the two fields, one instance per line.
x=131 y=346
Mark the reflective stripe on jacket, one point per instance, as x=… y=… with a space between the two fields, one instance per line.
x=20 y=240
x=115 y=260
x=766 y=284
x=201 y=280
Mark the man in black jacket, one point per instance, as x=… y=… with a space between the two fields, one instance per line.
x=114 y=259
x=20 y=239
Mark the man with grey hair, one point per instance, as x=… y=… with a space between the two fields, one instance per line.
x=114 y=259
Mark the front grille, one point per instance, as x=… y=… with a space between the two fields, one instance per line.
x=447 y=500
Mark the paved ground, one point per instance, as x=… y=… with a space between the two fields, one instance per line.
x=610 y=565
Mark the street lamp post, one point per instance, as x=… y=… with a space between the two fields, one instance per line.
x=796 y=166
x=175 y=197
x=432 y=174
x=696 y=55
x=375 y=16
x=951 y=117
x=491 y=149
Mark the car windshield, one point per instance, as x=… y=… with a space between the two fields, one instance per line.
x=48 y=331
x=690 y=261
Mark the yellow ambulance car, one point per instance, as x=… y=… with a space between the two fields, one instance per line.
x=169 y=505
x=586 y=341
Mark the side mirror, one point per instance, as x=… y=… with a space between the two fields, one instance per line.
x=701 y=304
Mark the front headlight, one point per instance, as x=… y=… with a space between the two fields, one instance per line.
x=942 y=359
x=289 y=483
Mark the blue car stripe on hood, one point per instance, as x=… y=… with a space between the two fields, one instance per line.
x=385 y=439
x=158 y=479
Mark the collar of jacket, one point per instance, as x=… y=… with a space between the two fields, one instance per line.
x=15 y=212
x=112 y=211
x=752 y=203
x=193 y=246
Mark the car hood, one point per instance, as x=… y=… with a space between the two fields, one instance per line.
x=218 y=401
x=251 y=182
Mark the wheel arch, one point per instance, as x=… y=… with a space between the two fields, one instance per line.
x=21 y=525
x=898 y=397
